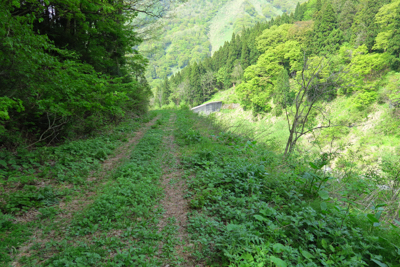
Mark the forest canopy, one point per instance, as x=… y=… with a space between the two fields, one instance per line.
x=360 y=38
x=68 y=67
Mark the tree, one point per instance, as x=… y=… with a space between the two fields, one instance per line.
x=327 y=36
x=298 y=12
x=195 y=84
x=158 y=96
x=183 y=91
x=282 y=96
x=75 y=66
x=346 y=17
x=314 y=82
x=223 y=78
x=245 y=55
x=318 y=5
x=207 y=84
x=166 y=92
x=364 y=27
x=237 y=73
x=388 y=18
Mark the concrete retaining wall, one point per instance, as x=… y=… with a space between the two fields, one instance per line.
x=208 y=108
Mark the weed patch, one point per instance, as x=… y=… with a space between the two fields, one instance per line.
x=34 y=182
x=252 y=208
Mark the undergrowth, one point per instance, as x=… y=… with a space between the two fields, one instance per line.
x=251 y=207
x=38 y=179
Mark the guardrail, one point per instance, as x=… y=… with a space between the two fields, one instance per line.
x=208 y=108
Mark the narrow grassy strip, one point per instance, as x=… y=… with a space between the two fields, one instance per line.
x=70 y=242
x=120 y=227
x=251 y=208
x=175 y=244
x=34 y=182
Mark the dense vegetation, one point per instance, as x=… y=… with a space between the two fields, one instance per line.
x=248 y=205
x=358 y=38
x=82 y=186
x=66 y=68
x=196 y=29
x=251 y=207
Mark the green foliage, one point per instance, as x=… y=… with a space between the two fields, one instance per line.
x=368 y=66
x=198 y=29
x=11 y=235
x=57 y=71
x=273 y=36
x=393 y=87
x=222 y=78
x=386 y=19
x=30 y=197
x=7 y=103
x=262 y=81
x=364 y=27
x=283 y=95
x=345 y=33
x=125 y=203
x=166 y=92
x=34 y=180
x=257 y=210
x=327 y=36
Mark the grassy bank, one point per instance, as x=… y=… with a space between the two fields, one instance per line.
x=373 y=134
x=252 y=208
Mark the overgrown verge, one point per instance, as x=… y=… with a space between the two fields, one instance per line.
x=120 y=227
x=252 y=208
x=34 y=182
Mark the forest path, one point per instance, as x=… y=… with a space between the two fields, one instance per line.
x=54 y=229
x=176 y=207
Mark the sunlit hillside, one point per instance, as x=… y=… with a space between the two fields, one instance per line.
x=198 y=28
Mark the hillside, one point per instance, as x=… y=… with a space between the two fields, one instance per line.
x=236 y=14
x=348 y=56
x=198 y=28
x=300 y=167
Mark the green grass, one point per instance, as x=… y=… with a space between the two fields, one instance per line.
x=226 y=96
x=126 y=205
x=117 y=225
x=251 y=207
x=40 y=179
x=374 y=132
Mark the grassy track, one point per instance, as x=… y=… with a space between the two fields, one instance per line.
x=84 y=226
x=190 y=194
x=41 y=185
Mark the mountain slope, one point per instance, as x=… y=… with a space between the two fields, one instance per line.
x=198 y=28
x=235 y=15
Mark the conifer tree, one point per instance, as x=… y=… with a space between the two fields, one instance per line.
x=282 y=91
x=318 y=5
x=285 y=18
x=245 y=55
x=364 y=28
x=231 y=54
x=394 y=42
x=328 y=20
x=346 y=17
x=166 y=92
x=327 y=36
x=195 y=84
x=298 y=14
